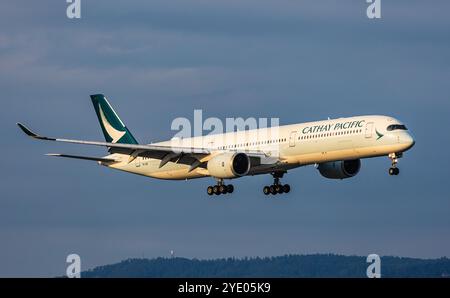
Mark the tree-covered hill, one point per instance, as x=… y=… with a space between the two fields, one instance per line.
x=319 y=265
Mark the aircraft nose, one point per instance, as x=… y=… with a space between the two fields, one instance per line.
x=407 y=140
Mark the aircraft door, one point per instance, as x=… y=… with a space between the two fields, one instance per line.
x=292 y=139
x=369 y=129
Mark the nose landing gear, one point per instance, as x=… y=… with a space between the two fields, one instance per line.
x=276 y=187
x=393 y=170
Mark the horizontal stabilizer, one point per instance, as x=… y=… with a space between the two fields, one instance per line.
x=83 y=157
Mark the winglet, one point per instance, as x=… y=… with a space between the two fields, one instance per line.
x=30 y=133
x=27 y=130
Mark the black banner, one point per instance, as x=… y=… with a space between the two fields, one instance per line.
x=223 y=287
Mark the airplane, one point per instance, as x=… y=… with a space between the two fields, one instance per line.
x=334 y=146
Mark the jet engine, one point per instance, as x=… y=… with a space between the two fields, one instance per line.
x=229 y=165
x=340 y=169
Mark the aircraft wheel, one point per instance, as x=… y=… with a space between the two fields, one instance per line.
x=286 y=188
x=393 y=171
x=223 y=189
x=216 y=190
x=230 y=188
x=278 y=189
x=272 y=189
x=210 y=190
x=266 y=190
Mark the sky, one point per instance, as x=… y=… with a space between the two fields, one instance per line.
x=158 y=60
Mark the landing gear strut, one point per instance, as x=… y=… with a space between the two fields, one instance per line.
x=393 y=170
x=220 y=188
x=277 y=187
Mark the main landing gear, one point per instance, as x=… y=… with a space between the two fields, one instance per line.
x=220 y=188
x=276 y=187
x=393 y=170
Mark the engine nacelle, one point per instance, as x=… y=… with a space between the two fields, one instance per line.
x=229 y=165
x=340 y=169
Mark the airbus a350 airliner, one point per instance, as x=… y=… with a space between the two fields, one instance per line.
x=335 y=146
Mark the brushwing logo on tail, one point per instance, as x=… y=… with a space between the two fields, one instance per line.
x=115 y=134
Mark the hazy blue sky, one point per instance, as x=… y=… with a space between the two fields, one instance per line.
x=158 y=60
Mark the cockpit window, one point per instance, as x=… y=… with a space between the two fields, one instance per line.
x=396 y=127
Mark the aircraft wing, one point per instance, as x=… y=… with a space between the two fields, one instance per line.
x=117 y=147
x=185 y=155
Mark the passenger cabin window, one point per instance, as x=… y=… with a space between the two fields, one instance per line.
x=396 y=127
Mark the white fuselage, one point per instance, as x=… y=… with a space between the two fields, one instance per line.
x=285 y=147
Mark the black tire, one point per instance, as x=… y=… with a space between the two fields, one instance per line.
x=266 y=190
x=210 y=190
x=216 y=190
x=223 y=189
x=397 y=171
x=278 y=189
x=230 y=188
x=392 y=171
x=286 y=188
x=272 y=189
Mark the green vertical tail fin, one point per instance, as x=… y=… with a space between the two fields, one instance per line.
x=113 y=128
